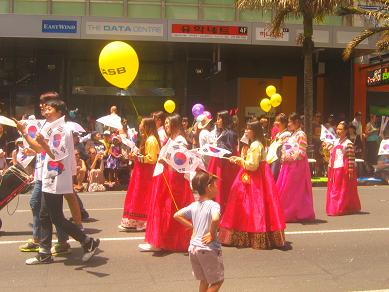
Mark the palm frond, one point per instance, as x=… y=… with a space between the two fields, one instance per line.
x=360 y=38
x=279 y=19
x=383 y=43
x=376 y=15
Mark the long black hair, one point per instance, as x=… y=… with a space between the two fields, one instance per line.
x=257 y=130
x=226 y=119
x=175 y=124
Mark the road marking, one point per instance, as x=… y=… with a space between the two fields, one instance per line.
x=67 y=210
x=337 y=231
x=287 y=233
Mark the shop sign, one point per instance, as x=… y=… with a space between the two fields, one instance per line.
x=59 y=26
x=210 y=31
x=264 y=34
x=378 y=76
x=125 y=28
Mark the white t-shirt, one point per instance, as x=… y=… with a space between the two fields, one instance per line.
x=57 y=176
x=40 y=157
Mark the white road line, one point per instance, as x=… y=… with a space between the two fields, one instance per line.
x=97 y=209
x=287 y=233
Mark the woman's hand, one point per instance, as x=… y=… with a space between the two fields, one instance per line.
x=20 y=126
x=39 y=138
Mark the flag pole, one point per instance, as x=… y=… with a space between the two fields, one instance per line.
x=170 y=191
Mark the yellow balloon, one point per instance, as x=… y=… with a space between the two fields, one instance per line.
x=169 y=106
x=265 y=105
x=270 y=90
x=119 y=64
x=275 y=100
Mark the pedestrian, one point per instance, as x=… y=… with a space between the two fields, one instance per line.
x=253 y=216
x=170 y=191
x=294 y=181
x=56 y=182
x=372 y=140
x=203 y=217
x=137 y=201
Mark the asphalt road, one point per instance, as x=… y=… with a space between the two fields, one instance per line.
x=348 y=253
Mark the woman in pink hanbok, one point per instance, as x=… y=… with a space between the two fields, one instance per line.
x=342 y=193
x=294 y=181
x=253 y=216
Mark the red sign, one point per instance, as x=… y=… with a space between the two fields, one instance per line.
x=210 y=31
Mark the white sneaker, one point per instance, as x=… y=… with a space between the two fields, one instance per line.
x=125 y=229
x=148 y=247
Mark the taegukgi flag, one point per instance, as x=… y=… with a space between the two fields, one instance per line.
x=33 y=127
x=384 y=147
x=180 y=158
x=23 y=159
x=56 y=133
x=327 y=136
x=211 y=150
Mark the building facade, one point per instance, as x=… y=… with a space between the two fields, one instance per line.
x=192 y=51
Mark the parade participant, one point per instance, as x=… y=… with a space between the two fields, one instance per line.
x=170 y=189
x=159 y=119
x=282 y=122
x=222 y=168
x=56 y=181
x=342 y=193
x=253 y=216
x=203 y=217
x=136 y=204
x=204 y=126
x=18 y=147
x=294 y=181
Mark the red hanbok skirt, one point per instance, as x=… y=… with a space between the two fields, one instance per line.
x=342 y=193
x=137 y=202
x=226 y=172
x=162 y=230
x=253 y=215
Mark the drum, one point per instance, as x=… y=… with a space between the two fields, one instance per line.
x=13 y=182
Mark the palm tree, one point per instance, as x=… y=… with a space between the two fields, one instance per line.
x=308 y=11
x=380 y=17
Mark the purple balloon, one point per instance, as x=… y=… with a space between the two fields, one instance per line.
x=197 y=109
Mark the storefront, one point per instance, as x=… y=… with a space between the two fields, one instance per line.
x=220 y=64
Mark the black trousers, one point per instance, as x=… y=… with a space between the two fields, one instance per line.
x=52 y=213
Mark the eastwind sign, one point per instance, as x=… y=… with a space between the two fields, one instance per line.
x=59 y=26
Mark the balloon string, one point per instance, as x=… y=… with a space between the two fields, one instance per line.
x=170 y=191
x=133 y=104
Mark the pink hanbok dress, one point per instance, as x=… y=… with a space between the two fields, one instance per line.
x=253 y=216
x=294 y=181
x=162 y=230
x=342 y=193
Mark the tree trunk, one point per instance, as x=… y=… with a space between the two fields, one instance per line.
x=308 y=46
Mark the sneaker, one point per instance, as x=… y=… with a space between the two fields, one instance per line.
x=148 y=247
x=90 y=249
x=29 y=246
x=60 y=249
x=41 y=258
